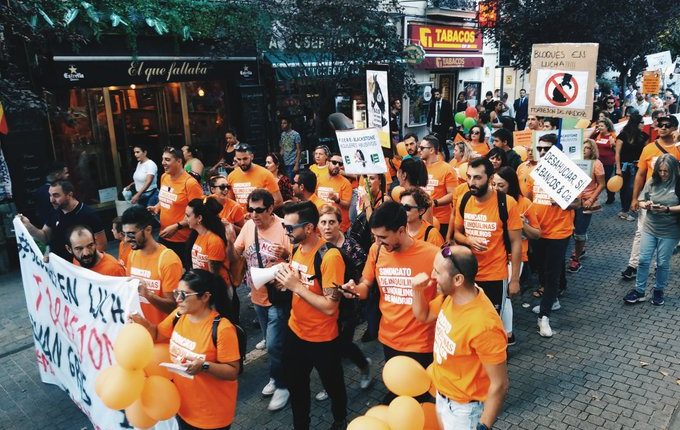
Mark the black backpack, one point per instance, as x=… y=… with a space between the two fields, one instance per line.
x=241 y=336
x=502 y=213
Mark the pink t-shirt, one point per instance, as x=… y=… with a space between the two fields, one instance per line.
x=598 y=170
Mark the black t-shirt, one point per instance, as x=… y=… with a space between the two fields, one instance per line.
x=59 y=222
x=43 y=207
x=632 y=145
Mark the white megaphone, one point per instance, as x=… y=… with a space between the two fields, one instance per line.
x=261 y=276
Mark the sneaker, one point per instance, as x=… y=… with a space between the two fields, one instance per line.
x=366 y=375
x=630 y=217
x=261 y=345
x=321 y=395
x=574 y=266
x=555 y=307
x=544 y=327
x=511 y=339
x=338 y=425
x=634 y=297
x=622 y=215
x=629 y=273
x=657 y=297
x=269 y=389
x=610 y=201
x=279 y=399
x=583 y=254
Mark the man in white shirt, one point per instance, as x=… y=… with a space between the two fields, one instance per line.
x=641 y=104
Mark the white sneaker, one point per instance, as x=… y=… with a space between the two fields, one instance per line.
x=321 y=395
x=544 y=327
x=261 y=345
x=269 y=389
x=366 y=375
x=279 y=399
x=555 y=306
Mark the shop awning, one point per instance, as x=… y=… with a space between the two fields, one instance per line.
x=306 y=65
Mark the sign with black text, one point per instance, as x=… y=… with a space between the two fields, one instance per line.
x=560 y=177
x=361 y=151
x=378 y=104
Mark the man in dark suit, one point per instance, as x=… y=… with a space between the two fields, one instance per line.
x=521 y=106
x=440 y=119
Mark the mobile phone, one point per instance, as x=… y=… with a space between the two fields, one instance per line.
x=350 y=292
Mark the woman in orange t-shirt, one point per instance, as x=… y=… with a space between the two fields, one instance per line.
x=208 y=387
x=232 y=212
x=416 y=202
x=461 y=154
x=477 y=142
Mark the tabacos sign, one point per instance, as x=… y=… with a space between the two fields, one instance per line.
x=440 y=38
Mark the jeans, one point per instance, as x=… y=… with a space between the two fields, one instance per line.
x=555 y=251
x=664 y=252
x=300 y=356
x=290 y=172
x=148 y=198
x=273 y=322
x=424 y=358
x=628 y=171
x=353 y=206
x=458 y=416
x=581 y=223
x=608 y=172
x=635 y=248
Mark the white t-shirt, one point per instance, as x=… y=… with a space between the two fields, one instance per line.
x=143 y=169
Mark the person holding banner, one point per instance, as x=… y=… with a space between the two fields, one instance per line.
x=335 y=189
x=442 y=181
x=81 y=245
x=208 y=388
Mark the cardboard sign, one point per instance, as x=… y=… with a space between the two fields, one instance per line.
x=571 y=141
x=361 y=151
x=523 y=138
x=560 y=177
x=378 y=105
x=562 y=79
x=659 y=61
x=651 y=82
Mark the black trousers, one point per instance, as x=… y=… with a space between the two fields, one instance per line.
x=442 y=132
x=494 y=291
x=299 y=357
x=555 y=251
x=180 y=249
x=349 y=349
x=424 y=358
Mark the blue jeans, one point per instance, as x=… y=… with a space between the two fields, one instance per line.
x=273 y=322
x=628 y=171
x=581 y=223
x=664 y=251
x=290 y=172
x=458 y=416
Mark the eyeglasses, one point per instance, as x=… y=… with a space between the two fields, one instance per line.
x=337 y=163
x=668 y=98
x=408 y=207
x=543 y=148
x=421 y=147
x=182 y=295
x=222 y=187
x=664 y=125
x=290 y=228
x=447 y=253
x=257 y=210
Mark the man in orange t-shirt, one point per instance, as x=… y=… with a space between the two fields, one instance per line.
x=481 y=229
x=248 y=176
x=304 y=188
x=442 y=181
x=158 y=268
x=393 y=261
x=81 y=244
x=177 y=189
x=336 y=189
x=470 y=360
x=312 y=340
x=123 y=247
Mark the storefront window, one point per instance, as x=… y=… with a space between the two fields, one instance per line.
x=205 y=102
x=419 y=105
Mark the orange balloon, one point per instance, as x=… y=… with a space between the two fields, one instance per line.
x=405 y=377
x=521 y=151
x=406 y=414
x=380 y=412
x=367 y=423
x=100 y=382
x=161 y=354
x=401 y=149
x=160 y=398
x=137 y=417
x=432 y=390
x=133 y=347
x=430 y=412
x=615 y=183
x=462 y=170
x=396 y=193
x=120 y=387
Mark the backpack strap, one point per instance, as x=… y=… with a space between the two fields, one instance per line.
x=176 y=319
x=318 y=259
x=427 y=232
x=257 y=250
x=463 y=203
x=215 y=325
x=656 y=142
x=503 y=214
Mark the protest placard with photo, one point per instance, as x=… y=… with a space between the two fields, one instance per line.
x=361 y=151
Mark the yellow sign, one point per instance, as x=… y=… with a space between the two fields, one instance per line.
x=651 y=82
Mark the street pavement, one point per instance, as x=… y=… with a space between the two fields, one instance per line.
x=608 y=365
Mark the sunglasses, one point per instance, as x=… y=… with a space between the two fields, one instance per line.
x=243 y=147
x=665 y=125
x=408 y=207
x=222 y=187
x=130 y=234
x=474 y=132
x=447 y=253
x=257 y=210
x=337 y=163
x=290 y=228
x=173 y=150
x=421 y=147
x=182 y=295
x=543 y=148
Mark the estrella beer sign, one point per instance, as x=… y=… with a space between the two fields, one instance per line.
x=439 y=38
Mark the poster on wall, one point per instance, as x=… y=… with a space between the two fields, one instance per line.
x=419 y=105
x=377 y=103
x=473 y=90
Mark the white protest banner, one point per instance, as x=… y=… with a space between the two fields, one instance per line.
x=571 y=141
x=76 y=315
x=377 y=105
x=562 y=79
x=659 y=61
x=559 y=177
x=361 y=151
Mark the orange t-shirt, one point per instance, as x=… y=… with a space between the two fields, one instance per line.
x=124 y=249
x=457 y=194
x=434 y=236
x=209 y=247
x=467 y=337
x=441 y=178
x=523 y=172
x=651 y=153
x=479 y=148
x=243 y=183
x=307 y=322
x=161 y=270
x=555 y=223
x=454 y=165
x=316 y=200
x=482 y=220
x=205 y=401
x=327 y=184
x=394 y=271
x=525 y=207
x=173 y=197
x=107 y=265
x=232 y=212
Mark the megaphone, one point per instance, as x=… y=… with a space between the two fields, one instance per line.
x=260 y=276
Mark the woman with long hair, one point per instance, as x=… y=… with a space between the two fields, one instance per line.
x=412 y=173
x=226 y=161
x=477 y=141
x=461 y=103
x=145 y=178
x=605 y=138
x=629 y=146
x=232 y=212
x=273 y=164
x=461 y=154
x=209 y=389
x=660 y=229
x=498 y=158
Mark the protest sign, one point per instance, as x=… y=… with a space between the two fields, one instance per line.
x=651 y=82
x=76 y=315
x=562 y=79
x=586 y=166
x=522 y=138
x=361 y=151
x=659 y=61
x=377 y=105
x=560 y=177
x=571 y=141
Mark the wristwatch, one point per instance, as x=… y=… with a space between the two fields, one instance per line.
x=205 y=366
